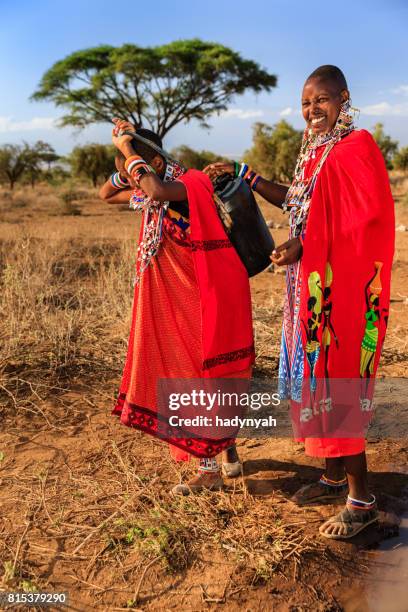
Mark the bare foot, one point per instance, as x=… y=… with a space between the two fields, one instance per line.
x=211 y=481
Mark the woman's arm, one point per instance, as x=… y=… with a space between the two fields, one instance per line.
x=113 y=195
x=150 y=183
x=274 y=193
x=119 y=197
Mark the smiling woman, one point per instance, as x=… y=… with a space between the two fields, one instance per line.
x=339 y=256
x=323 y=94
x=336 y=310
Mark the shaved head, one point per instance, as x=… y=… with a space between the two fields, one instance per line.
x=329 y=74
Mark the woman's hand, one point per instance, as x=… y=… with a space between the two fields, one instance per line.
x=214 y=170
x=287 y=253
x=119 y=139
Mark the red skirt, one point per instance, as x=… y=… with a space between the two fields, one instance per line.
x=165 y=341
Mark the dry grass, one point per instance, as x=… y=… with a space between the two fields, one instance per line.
x=64 y=307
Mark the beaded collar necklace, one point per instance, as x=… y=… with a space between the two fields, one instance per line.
x=153 y=215
x=300 y=192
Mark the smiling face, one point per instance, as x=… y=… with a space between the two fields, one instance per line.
x=321 y=102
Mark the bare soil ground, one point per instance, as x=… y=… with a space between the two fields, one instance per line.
x=84 y=501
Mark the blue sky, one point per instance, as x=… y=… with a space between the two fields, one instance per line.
x=366 y=38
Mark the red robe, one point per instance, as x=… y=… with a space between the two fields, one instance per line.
x=191 y=319
x=345 y=274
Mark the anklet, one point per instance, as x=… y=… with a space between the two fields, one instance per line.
x=358 y=504
x=208 y=465
x=333 y=483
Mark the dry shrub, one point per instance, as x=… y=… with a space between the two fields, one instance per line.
x=59 y=304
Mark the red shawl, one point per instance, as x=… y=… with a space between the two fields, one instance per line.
x=226 y=316
x=345 y=290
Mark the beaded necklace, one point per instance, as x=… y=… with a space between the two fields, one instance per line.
x=153 y=215
x=299 y=195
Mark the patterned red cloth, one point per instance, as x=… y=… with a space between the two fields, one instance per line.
x=191 y=318
x=344 y=283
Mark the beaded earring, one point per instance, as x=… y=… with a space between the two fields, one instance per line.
x=347 y=114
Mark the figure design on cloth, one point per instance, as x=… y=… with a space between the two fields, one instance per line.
x=369 y=344
x=314 y=307
x=328 y=329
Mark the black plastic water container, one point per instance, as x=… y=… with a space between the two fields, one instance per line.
x=244 y=223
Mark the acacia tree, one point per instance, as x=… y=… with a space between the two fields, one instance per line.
x=158 y=86
x=13 y=162
x=35 y=157
x=274 y=150
x=92 y=161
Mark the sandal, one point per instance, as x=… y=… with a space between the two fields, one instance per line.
x=321 y=491
x=355 y=517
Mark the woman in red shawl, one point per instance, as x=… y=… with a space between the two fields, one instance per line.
x=338 y=259
x=188 y=281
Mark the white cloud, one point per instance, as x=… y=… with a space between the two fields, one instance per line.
x=383 y=109
x=286 y=111
x=8 y=124
x=240 y=113
x=402 y=89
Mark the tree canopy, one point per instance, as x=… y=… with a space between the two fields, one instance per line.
x=157 y=87
x=274 y=150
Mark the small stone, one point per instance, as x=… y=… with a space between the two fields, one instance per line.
x=401 y=228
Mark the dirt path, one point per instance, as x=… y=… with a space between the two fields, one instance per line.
x=70 y=520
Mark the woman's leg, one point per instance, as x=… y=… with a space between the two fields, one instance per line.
x=361 y=509
x=231 y=463
x=356 y=470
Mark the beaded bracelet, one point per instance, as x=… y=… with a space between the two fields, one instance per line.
x=249 y=175
x=243 y=170
x=118 y=182
x=140 y=171
x=132 y=162
x=255 y=182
